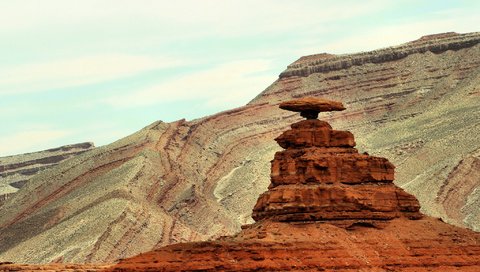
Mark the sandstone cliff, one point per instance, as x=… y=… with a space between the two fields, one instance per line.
x=416 y=104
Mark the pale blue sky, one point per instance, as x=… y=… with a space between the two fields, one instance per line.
x=74 y=71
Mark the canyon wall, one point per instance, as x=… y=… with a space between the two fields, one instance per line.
x=416 y=104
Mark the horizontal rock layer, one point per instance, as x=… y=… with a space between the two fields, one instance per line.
x=312 y=104
x=309 y=133
x=15 y=171
x=402 y=245
x=433 y=43
x=340 y=205
x=313 y=165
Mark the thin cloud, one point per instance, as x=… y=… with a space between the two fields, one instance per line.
x=218 y=84
x=76 y=72
x=35 y=139
x=209 y=17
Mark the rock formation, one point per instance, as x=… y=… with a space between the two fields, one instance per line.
x=320 y=176
x=321 y=187
x=200 y=179
x=437 y=44
x=15 y=171
x=327 y=208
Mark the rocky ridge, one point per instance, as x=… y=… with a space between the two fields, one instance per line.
x=15 y=171
x=436 y=44
x=196 y=180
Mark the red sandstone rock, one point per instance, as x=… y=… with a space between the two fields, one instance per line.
x=321 y=177
x=312 y=104
x=402 y=245
x=316 y=133
x=314 y=165
x=309 y=107
x=341 y=205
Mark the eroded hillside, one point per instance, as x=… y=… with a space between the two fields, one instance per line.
x=416 y=104
x=16 y=171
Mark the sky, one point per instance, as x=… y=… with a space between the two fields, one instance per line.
x=97 y=71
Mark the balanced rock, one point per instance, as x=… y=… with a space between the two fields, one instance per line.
x=309 y=107
x=322 y=177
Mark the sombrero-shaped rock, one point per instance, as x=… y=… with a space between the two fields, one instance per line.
x=309 y=107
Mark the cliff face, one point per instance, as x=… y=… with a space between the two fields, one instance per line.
x=15 y=171
x=186 y=181
x=324 y=63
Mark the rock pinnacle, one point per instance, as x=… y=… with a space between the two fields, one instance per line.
x=321 y=177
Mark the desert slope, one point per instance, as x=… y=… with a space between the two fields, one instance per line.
x=417 y=104
x=15 y=171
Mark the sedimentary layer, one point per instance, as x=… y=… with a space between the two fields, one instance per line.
x=324 y=63
x=403 y=245
x=15 y=171
x=168 y=182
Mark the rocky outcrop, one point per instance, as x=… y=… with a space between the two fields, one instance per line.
x=322 y=178
x=15 y=171
x=402 y=245
x=196 y=180
x=433 y=43
x=419 y=111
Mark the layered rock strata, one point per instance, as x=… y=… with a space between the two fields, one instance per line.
x=196 y=180
x=323 y=63
x=362 y=222
x=402 y=245
x=16 y=171
x=322 y=177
